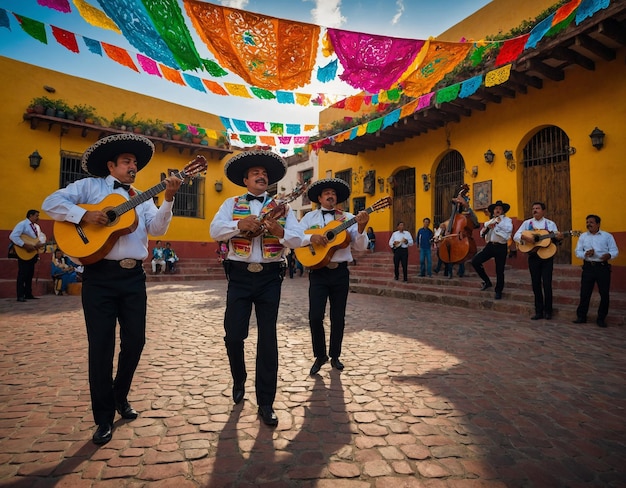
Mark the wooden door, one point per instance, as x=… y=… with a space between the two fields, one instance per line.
x=546 y=179
x=448 y=179
x=404 y=199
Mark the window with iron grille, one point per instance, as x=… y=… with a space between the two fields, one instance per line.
x=548 y=146
x=71 y=169
x=359 y=204
x=189 y=199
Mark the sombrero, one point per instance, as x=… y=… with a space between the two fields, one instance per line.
x=96 y=157
x=341 y=188
x=236 y=167
x=505 y=207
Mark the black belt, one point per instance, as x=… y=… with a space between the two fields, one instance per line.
x=254 y=267
x=127 y=263
x=596 y=263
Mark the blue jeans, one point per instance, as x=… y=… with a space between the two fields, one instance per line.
x=426 y=262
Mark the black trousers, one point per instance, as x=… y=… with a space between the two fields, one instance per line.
x=25 y=273
x=401 y=255
x=541 y=279
x=263 y=291
x=594 y=273
x=328 y=285
x=498 y=252
x=111 y=294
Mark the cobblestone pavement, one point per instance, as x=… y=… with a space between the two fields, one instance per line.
x=429 y=397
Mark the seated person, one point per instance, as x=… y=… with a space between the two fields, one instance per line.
x=157 y=258
x=170 y=257
x=63 y=272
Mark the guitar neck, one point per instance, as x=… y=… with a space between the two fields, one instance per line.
x=345 y=225
x=144 y=196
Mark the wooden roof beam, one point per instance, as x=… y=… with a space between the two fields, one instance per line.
x=595 y=47
x=471 y=103
x=543 y=69
x=613 y=30
x=503 y=91
x=574 y=57
x=455 y=109
x=525 y=79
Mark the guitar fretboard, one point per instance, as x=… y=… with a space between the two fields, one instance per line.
x=145 y=196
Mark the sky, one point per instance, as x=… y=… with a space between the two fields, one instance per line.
x=413 y=19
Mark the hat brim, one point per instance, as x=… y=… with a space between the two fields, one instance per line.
x=505 y=207
x=236 y=167
x=341 y=189
x=96 y=157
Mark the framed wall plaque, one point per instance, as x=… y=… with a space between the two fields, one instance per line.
x=482 y=195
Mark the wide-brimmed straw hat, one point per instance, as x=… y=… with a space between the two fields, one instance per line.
x=505 y=206
x=96 y=157
x=341 y=189
x=236 y=167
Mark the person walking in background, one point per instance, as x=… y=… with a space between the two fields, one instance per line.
x=27 y=235
x=496 y=232
x=424 y=242
x=330 y=283
x=255 y=268
x=114 y=288
x=399 y=242
x=371 y=235
x=540 y=269
x=595 y=247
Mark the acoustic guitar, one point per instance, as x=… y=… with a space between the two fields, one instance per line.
x=89 y=243
x=28 y=255
x=542 y=239
x=316 y=256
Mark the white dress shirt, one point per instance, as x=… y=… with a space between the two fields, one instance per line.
x=358 y=241
x=601 y=242
x=64 y=204
x=397 y=236
x=501 y=231
x=26 y=227
x=534 y=224
x=223 y=228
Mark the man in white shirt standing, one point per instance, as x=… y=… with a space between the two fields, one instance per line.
x=330 y=282
x=28 y=235
x=540 y=269
x=399 y=242
x=595 y=247
x=496 y=232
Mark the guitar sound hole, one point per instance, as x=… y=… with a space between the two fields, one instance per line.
x=330 y=236
x=112 y=216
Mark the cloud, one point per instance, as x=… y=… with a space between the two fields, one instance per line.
x=399 y=12
x=239 y=4
x=328 y=13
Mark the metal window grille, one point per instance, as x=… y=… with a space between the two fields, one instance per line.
x=189 y=200
x=71 y=169
x=448 y=179
x=548 y=146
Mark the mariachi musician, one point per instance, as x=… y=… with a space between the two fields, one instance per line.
x=496 y=232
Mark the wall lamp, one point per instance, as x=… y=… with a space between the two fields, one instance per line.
x=426 y=181
x=474 y=171
x=597 y=138
x=218 y=186
x=35 y=159
x=381 y=184
x=510 y=162
x=489 y=155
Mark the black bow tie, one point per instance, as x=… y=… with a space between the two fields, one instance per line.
x=260 y=198
x=117 y=184
x=326 y=212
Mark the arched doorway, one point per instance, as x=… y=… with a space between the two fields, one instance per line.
x=404 y=199
x=448 y=179
x=546 y=179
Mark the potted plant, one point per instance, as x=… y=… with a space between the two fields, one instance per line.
x=84 y=113
x=61 y=109
x=39 y=105
x=122 y=122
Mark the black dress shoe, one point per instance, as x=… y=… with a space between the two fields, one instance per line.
x=485 y=286
x=537 y=316
x=547 y=316
x=317 y=365
x=335 y=363
x=579 y=320
x=267 y=415
x=103 y=434
x=601 y=323
x=30 y=297
x=125 y=410
x=239 y=390
x=498 y=296
x=21 y=299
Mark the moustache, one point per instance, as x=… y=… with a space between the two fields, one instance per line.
x=261 y=180
x=132 y=173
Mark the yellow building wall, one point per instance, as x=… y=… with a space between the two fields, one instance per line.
x=585 y=99
x=25 y=188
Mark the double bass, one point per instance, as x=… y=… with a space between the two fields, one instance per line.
x=457 y=244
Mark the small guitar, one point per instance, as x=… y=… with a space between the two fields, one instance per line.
x=278 y=211
x=28 y=255
x=89 y=243
x=541 y=238
x=315 y=256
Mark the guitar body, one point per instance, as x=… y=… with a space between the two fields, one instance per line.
x=547 y=252
x=314 y=256
x=541 y=239
x=28 y=255
x=90 y=243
